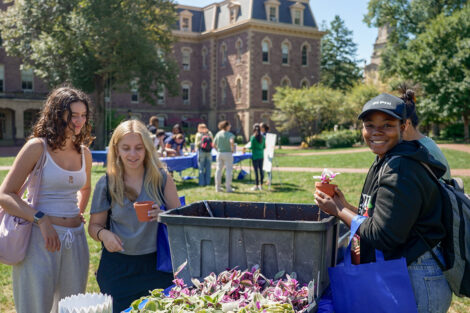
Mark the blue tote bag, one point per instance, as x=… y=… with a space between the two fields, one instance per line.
x=163 y=245
x=383 y=286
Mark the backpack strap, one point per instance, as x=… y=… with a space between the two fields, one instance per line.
x=108 y=197
x=428 y=169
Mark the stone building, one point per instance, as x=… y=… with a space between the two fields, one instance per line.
x=232 y=56
x=371 y=71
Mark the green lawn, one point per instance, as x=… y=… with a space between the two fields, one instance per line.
x=288 y=187
x=6 y=161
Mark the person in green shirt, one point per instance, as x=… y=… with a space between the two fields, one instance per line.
x=224 y=144
x=257 y=142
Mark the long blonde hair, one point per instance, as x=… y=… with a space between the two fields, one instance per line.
x=153 y=177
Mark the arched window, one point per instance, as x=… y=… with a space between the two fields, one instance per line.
x=265 y=89
x=238 y=46
x=285 y=82
x=186 y=92
x=223 y=91
x=204 y=57
x=223 y=51
x=203 y=91
x=304 y=55
x=134 y=91
x=304 y=83
x=265 y=51
x=186 y=58
x=285 y=53
x=238 y=91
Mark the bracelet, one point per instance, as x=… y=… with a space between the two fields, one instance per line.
x=98 y=234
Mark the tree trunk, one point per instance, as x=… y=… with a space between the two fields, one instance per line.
x=465 y=126
x=99 y=113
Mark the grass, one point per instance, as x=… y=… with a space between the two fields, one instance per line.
x=5 y=161
x=288 y=187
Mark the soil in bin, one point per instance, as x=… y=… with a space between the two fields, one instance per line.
x=255 y=210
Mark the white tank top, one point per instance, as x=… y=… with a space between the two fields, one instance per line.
x=58 y=189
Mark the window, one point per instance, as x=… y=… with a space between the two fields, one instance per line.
x=265 y=90
x=273 y=14
x=238 y=91
x=161 y=120
x=27 y=80
x=204 y=57
x=203 y=90
x=2 y=78
x=285 y=82
x=238 y=46
x=285 y=53
x=265 y=51
x=224 y=54
x=223 y=91
x=134 y=92
x=185 y=24
x=304 y=55
x=186 y=93
x=297 y=20
x=186 y=59
x=161 y=94
x=234 y=9
x=304 y=83
x=186 y=19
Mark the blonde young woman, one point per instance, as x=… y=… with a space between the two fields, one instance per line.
x=57 y=259
x=127 y=267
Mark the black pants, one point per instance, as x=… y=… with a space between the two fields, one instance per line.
x=128 y=277
x=258 y=166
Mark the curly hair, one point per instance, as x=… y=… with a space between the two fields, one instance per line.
x=51 y=124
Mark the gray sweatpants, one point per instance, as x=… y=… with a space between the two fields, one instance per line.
x=44 y=278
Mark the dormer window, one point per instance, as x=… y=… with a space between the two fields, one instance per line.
x=234 y=8
x=186 y=18
x=272 y=10
x=297 y=13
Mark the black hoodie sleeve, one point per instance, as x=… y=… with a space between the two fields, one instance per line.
x=396 y=209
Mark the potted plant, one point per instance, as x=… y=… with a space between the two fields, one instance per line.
x=324 y=184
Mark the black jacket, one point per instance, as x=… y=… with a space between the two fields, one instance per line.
x=404 y=200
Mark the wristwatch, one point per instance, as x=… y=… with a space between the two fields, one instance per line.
x=37 y=217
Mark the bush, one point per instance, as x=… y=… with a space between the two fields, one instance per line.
x=284 y=140
x=192 y=138
x=316 y=141
x=341 y=138
x=453 y=131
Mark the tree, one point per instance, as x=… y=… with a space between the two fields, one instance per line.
x=405 y=19
x=356 y=97
x=439 y=59
x=339 y=66
x=91 y=43
x=308 y=110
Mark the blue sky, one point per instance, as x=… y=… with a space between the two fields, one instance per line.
x=351 y=11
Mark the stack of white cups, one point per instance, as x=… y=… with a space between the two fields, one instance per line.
x=86 y=303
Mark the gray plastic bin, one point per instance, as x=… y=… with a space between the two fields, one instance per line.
x=277 y=236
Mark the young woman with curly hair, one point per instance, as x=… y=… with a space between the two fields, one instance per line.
x=127 y=269
x=57 y=258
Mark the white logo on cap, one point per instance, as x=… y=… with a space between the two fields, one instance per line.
x=381 y=102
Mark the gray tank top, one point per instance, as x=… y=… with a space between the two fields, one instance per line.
x=138 y=237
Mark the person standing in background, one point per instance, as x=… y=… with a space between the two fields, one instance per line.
x=224 y=144
x=203 y=143
x=412 y=133
x=153 y=125
x=257 y=143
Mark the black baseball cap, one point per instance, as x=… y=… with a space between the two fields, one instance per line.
x=386 y=103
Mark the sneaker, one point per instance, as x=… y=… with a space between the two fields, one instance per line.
x=254 y=188
x=260 y=187
x=229 y=190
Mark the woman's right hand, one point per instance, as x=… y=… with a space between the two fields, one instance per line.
x=345 y=203
x=111 y=241
x=51 y=238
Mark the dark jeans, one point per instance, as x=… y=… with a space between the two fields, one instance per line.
x=258 y=166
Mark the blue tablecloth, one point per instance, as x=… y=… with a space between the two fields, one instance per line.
x=176 y=163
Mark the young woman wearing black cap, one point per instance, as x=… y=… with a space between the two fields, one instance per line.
x=403 y=201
